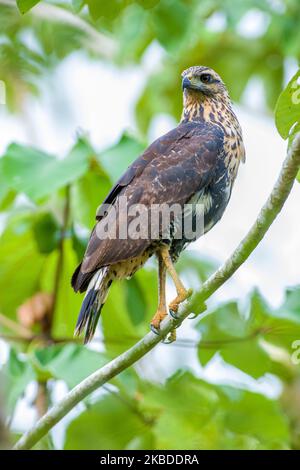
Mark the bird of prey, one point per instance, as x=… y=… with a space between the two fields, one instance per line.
x=194 y=164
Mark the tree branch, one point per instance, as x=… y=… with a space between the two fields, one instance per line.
x=264 y=220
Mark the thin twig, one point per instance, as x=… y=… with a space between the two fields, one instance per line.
x=20 y=330
x=265 y=218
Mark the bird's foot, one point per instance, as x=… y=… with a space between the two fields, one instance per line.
x=160 y=314
x=182 y=295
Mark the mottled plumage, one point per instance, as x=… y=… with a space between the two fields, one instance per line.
x=196 y=162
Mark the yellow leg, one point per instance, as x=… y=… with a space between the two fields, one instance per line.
x=182 y=292
x=161 y=312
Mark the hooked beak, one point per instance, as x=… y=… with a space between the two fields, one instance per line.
x=186 y=83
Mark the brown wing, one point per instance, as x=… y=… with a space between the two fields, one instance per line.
x=171 y=170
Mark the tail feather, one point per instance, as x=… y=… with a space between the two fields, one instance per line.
x=92 y=304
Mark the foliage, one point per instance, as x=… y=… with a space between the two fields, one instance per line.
x=49 y=206
x=242 y=338
x=211 y=418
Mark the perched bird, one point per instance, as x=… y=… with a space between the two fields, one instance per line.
x=194 y=164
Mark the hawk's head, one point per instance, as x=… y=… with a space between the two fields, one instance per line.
x=203 y=82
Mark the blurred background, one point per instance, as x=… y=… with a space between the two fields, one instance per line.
x=85 y=86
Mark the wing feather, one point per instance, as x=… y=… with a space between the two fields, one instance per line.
x=171 y=170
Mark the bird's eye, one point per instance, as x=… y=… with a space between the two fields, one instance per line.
x=206 y=78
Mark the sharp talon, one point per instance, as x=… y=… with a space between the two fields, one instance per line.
x=167 y=341
x=173 y=314
x=170 y=338
x=154 y=330
x=192 y=316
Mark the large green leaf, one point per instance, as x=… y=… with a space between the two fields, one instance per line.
x=124 y=322
x=4 y=188
x=109 y=424
x=190 y=264
x=47 y=232
x=134 y=33
x=20 y=265
x=287 y=111
x=118 y=330
x=188 y=413
x=37 y=174
x=67 y=302
x=87 y=194
x=179 y=419
x=106 y=9
x=238 y=338
x=7 y=195
x=135 y=300
x=70 y=362
x=147 y=280
x=185 y=413
x=17 y=374
x=116 y=159
x=256 y=415
x=171 y=19
x=281 y=326
x=26 y=5
x=225 y=331
x=148 y=3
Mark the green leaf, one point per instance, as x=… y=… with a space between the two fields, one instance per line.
x=171 y=19
x=17 y=374
x=116 y=159
x=46 y=231
x=68 y=303
x=148 y=3
x=121 y=326
x=135 y=300
x=240 y=340
x=281 y=326
x=148 y=283
x=4 y=188
x=257 y=415
x=20 y=270
x=213 y=417
x=87 y=194
x=179 y=422
x=190 y=264
x=160 y=417
x=70 y=362
x=118 y=330
x=79 y=243
x=26 y=5
x=105 y=9
x=290 y=309
x=78 y=5
x=287 y=111
x=7 y=200
x=37 y=174
x=227 y=332
x=134 y=34
x=109 y=424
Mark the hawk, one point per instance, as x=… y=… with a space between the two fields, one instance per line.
x=193 y=165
